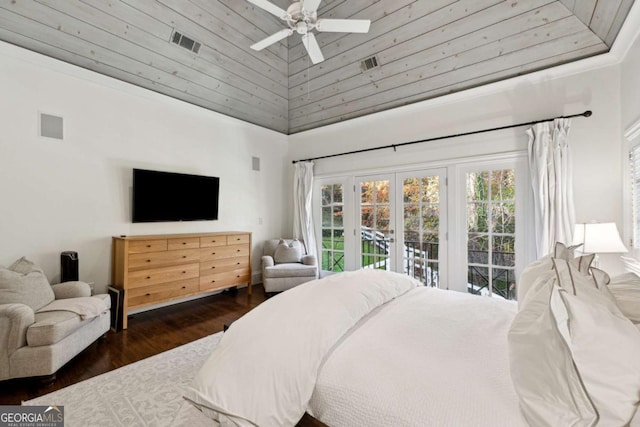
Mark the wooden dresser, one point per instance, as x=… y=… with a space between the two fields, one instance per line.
x=160 y=268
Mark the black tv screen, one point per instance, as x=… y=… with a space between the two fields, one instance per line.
x=166 y=196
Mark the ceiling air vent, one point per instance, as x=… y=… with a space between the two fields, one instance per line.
x=185 y=42
x=369 y=63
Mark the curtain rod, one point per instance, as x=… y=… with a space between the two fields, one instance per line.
x=587 y=113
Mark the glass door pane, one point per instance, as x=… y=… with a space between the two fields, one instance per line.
x=422 y=226
x=332 y=257
x=491 y=233
x=376 y=222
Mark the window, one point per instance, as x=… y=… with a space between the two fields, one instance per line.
x=455 y=224
x=491 y=233
x=332 y=256
x=421 y=226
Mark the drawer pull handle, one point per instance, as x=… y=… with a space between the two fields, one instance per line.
x=213 y=281
x=148 y=295
x=237 y=250
x=148 y=246
x=213 y=266
x=184 y=256
x=184 y=243
x=213 y=241
x=184 y=272
x=184 y=287
x=238 y=275
x=148 y=277
x=213 y=253
x=148 y=260
x=237 y=263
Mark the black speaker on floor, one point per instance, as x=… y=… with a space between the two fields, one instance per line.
x=117 y=302
x=69 y=266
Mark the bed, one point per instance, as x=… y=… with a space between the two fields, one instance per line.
x=364 y=348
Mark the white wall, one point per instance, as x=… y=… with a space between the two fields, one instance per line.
x=630 y=76
x=75 y=194
x=596 y=140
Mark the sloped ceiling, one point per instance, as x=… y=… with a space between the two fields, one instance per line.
x=424 y=49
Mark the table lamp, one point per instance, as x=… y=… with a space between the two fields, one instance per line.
x=598 y=238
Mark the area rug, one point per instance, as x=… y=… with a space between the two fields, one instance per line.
x=144 y=393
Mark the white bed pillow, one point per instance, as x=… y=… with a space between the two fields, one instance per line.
x=542 y=370
x=626 y=290
x=542 y=269
x=604 y=344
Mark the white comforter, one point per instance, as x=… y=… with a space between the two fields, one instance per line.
x=366 y=348
x=264 y=369
x=429 y=358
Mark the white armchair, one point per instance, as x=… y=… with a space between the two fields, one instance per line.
x=39 y=331
x=286 y=267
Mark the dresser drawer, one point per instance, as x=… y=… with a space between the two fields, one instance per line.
x=213 y=241
x=163 y=275
x=221 y=280
x=186 y=243
x=236 y=239
x=153 y=294
x=223 y=265
x=136 y=246
x=221 y=252
x=147 y=260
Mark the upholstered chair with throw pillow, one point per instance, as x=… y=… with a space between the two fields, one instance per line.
x=285 y=264
x=42 y=327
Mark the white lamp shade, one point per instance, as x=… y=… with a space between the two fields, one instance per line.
x=598 y=238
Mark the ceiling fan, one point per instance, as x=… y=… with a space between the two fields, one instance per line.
x=302 y=18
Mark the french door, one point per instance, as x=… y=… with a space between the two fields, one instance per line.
x=401 y=223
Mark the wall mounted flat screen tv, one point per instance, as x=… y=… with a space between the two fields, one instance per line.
x=167 y=196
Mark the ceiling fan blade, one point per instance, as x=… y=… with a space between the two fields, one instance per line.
x=343 y=25
x=271 y=8
x=311 y=44
x=274 y=38
x=311 y=5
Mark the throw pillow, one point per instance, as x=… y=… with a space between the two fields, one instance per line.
x=604 y=344
x=539 y=271
x=31 y=288
x=287 y=252
x=24 y=266
x=544 y=376
x=626 y=290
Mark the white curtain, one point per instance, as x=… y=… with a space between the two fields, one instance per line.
x=302 y=210
x=551 y=177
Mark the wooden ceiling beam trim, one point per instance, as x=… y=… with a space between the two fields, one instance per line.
x=207 y=38
x=537 y=65
x=621 y=15
x=584 y=10
x=470 y=32
x=273 y=121
x=604 y=16
x=489 y=59
x=382 y=27
x=104 y=31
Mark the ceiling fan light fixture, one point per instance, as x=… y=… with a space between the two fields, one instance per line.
x=302 y=17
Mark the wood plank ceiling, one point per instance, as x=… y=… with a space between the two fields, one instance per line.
x=424 y=49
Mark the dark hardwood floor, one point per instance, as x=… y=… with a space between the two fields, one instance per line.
x=149 y=333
